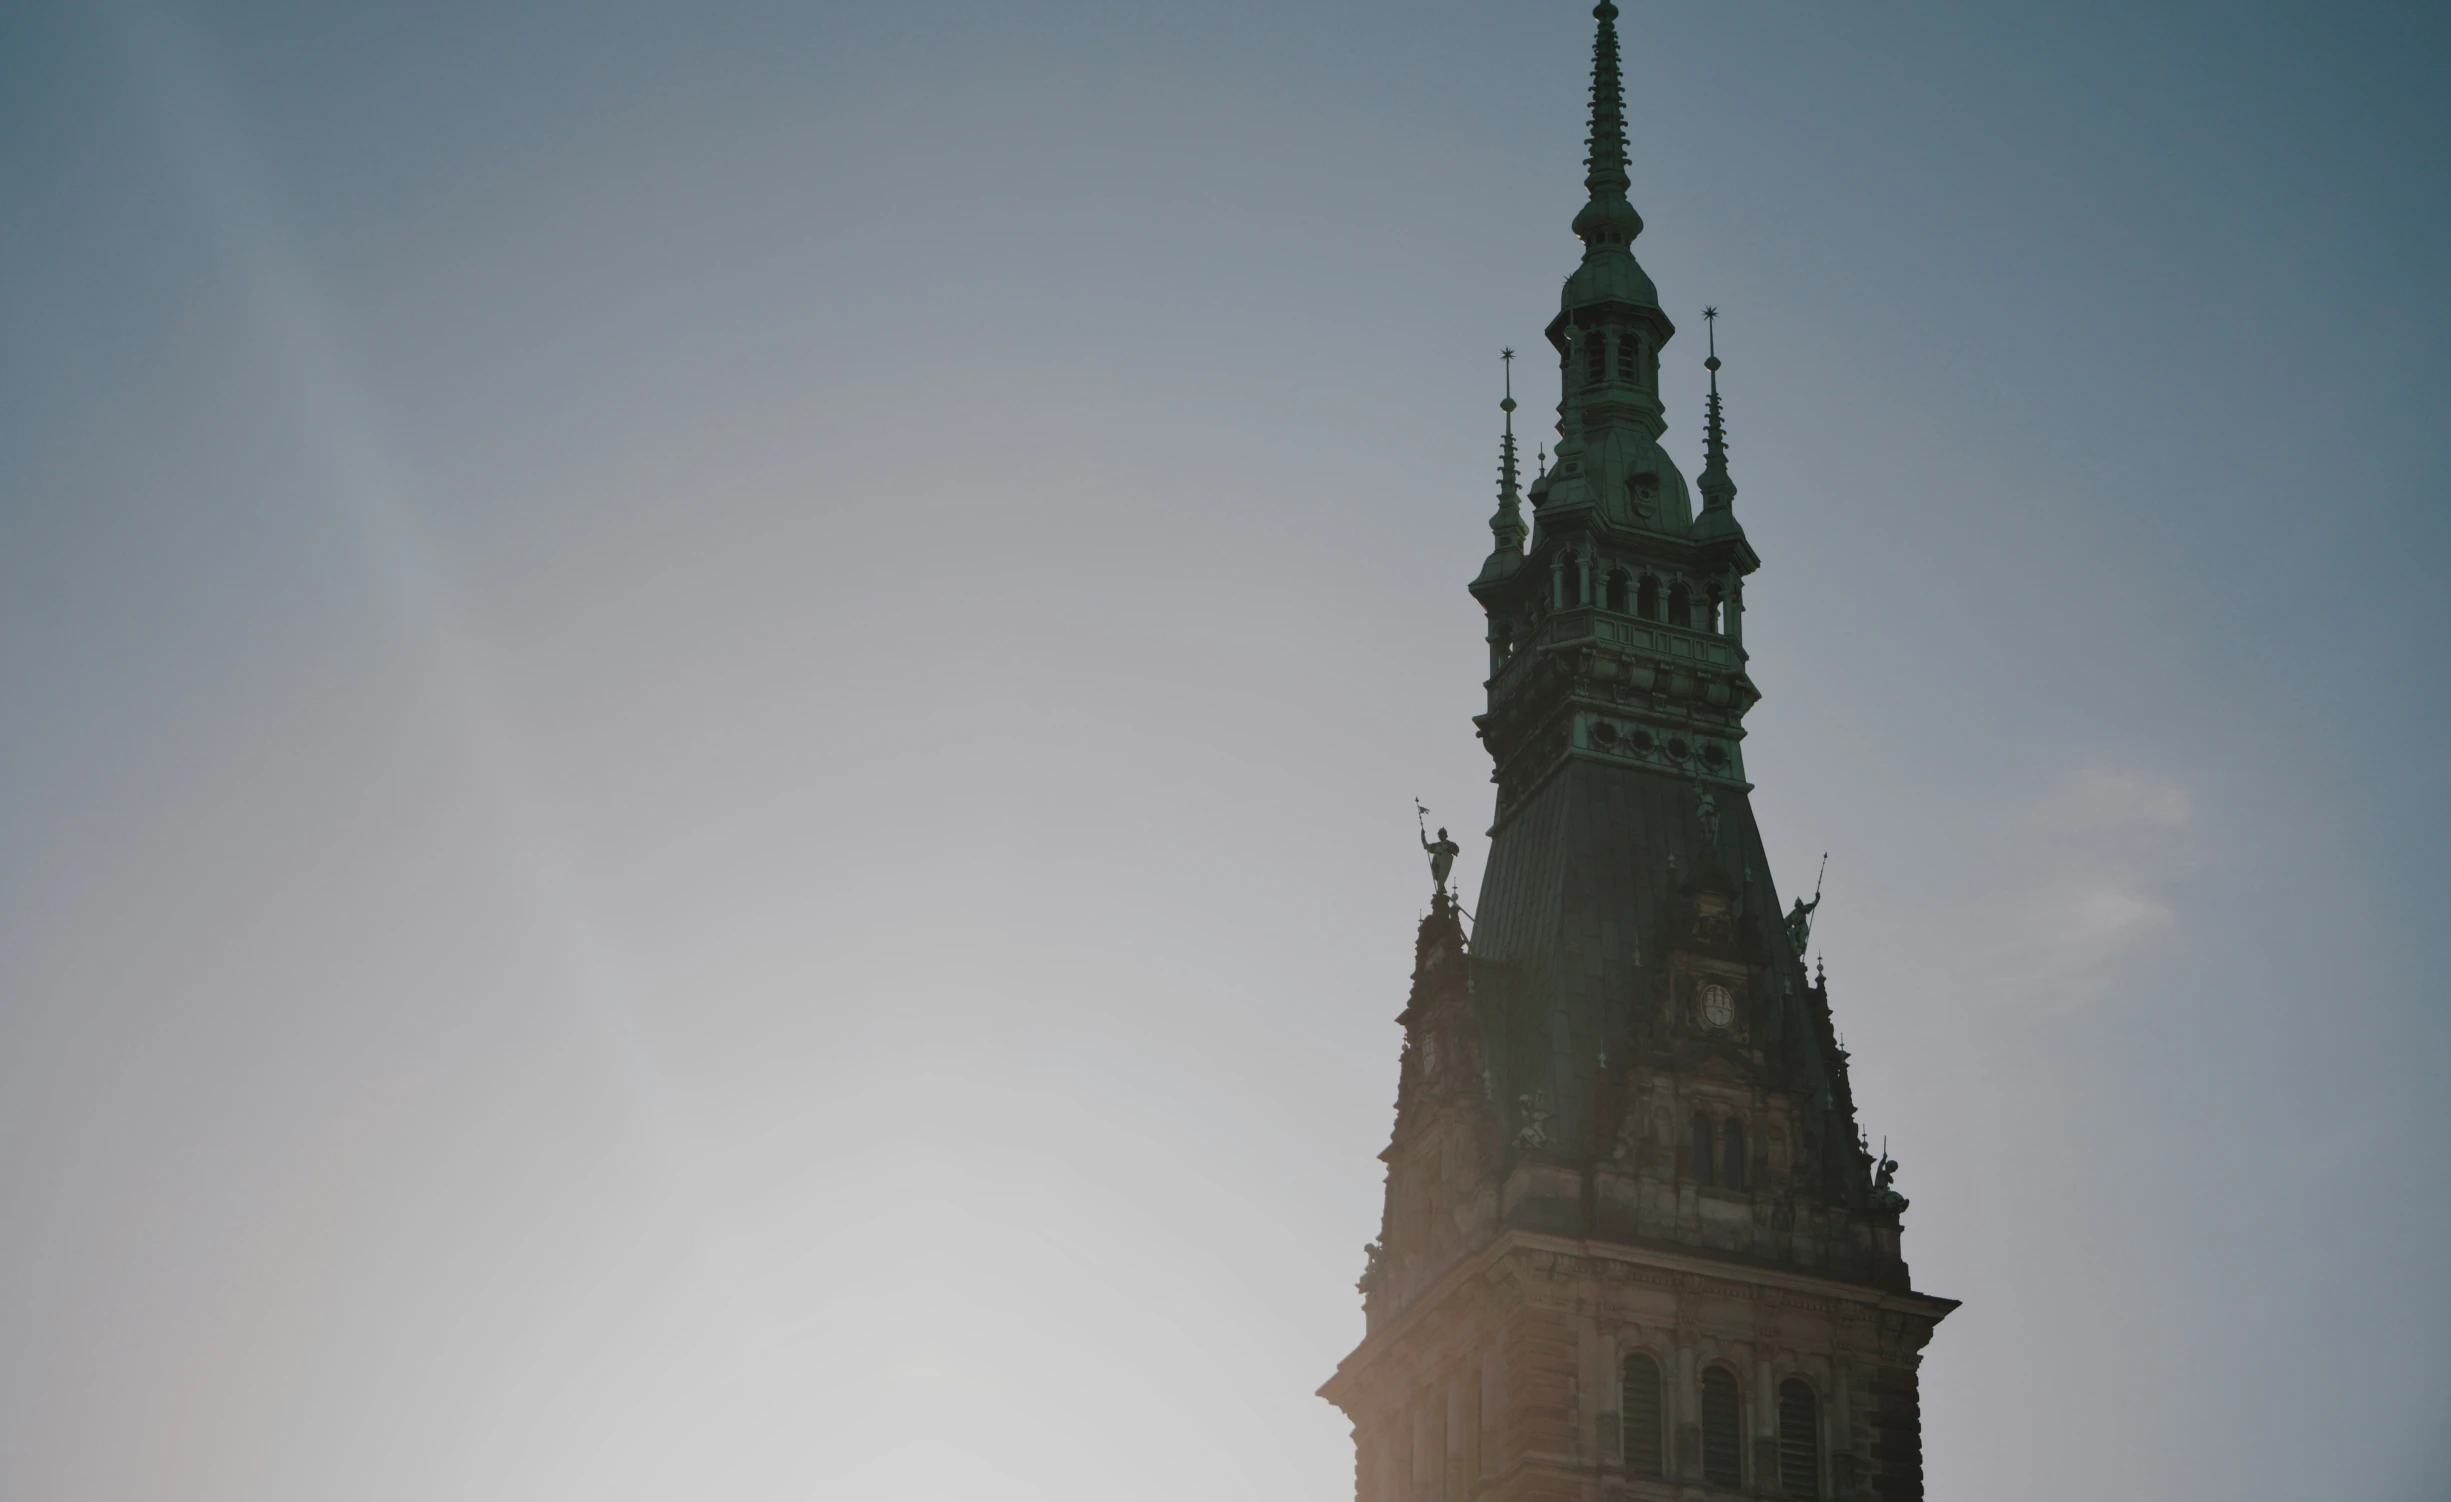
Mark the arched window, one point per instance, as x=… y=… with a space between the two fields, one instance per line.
x=1712 y=618
x=1799 y=1440
x=1647 y=598
x=1616 y=590
x=1595 y=366
x=1680 y=604
x=1722 y=1430
x=1702 y=1148
x=1732 y=1155
x=1646 y=1452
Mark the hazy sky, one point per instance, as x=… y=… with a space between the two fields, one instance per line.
x=712 y=714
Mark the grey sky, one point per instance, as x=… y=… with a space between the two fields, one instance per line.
x=712 y=714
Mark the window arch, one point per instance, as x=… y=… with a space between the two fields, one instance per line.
x=1702 y=1148
x=1732 y=1154
x=1641 y=1412
x=1722 y=1430
x=1680 y=604
x=1799 y=1440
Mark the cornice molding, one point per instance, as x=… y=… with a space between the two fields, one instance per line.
x=1692 y=1275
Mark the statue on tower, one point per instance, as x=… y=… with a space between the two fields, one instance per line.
x=1443 y=851
x=1800 y=917
x=1885 y=1197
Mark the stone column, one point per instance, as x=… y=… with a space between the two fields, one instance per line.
x=1587 y=1391
x=1459 y=1427
x=1610 y=1452
x=1493 y=1413
x=1687 y=1404
x=1765 y=1424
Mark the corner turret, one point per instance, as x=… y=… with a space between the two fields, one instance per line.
x=1506 y=529
x=1717 y=523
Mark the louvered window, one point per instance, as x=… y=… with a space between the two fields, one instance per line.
x=1732 y=1162
x=1722 y=1430
x=1640 y=1405
x=1702 y=1149
x=1799 y=1440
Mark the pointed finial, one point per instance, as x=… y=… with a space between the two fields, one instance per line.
x=1608 y=221
x=1507 y=525
x=1605 y=161
x=1718 y=491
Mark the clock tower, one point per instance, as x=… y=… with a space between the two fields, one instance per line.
x=1634 y=1246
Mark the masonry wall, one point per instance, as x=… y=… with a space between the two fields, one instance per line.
x=1501 y=1385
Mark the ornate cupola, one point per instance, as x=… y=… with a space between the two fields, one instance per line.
x=1633 y=1235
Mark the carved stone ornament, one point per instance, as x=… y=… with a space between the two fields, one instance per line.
x=1534 y=1109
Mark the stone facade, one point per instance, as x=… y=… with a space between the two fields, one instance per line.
x=1503 y=1383
x=1494 y=1364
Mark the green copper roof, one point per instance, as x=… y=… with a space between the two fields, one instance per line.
x=1609 y=276
x=1584 y=896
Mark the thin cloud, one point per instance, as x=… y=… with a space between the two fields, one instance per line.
x=2111 y=849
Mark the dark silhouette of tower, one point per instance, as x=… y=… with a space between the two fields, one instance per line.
x=1634 y=1246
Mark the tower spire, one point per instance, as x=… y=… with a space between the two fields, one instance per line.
x=1718 y=491
x=1506 y=525
x=1608 y=219
x=1506 y=528
x=1609 y=330
x=1606 y=144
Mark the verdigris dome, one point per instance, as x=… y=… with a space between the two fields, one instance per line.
x=1611 y=276
x=1636 y=484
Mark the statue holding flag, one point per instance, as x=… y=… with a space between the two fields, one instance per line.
x=1442 y=851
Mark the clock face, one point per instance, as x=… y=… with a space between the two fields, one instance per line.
x=1718 y=1007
